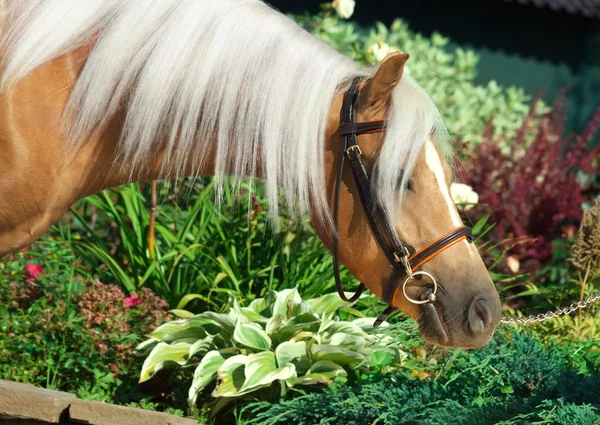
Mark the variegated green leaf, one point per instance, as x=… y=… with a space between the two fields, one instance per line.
x=286 y=300
x=261 y=371
x=303 y=318
x=162 y=355
x=235 y=313
x=260 y=306
x=196 y=327
x=252 y=336
x=205 y=373
x=322 y=372
x=366 y=323
x=303 y=336
x=219 y=323
x=348 y=341
x=201 y=346
x=327 y=303
x=274 y=323
x=329 y=329
x=293 y=352
x=183 y=314
x=304 y=323
x=337 y=355
x=231 y=376
x=179 y=329
x=144 y=348
x=301 y=308
x=253 y=316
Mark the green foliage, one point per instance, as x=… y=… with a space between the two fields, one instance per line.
x=39 y=325
x=571 y=275
x=447 y=74
x=51 y=338
x=280 y=348
x=515 y=380
x=577 y=337
x=277 y=340
x=211 y=251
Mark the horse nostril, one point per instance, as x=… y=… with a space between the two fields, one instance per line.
x=478 y=316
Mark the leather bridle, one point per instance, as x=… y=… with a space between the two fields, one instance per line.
x=403 y=257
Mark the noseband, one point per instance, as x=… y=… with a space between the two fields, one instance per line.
x=403 y=257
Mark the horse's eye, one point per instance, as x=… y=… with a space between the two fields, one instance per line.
x=408 y=184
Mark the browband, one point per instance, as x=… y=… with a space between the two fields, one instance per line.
x=402 y=256
x=357 y=128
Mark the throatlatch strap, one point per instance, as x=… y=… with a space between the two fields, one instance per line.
x=347 y=109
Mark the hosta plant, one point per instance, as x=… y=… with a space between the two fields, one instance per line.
x=279 y=340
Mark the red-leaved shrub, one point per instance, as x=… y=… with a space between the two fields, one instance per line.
x=108 y=319
x=529 y=185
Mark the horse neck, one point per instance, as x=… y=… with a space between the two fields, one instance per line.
x=48 y=174
x=97 y=163
x=106 y=167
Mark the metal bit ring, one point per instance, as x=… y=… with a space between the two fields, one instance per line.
x=430 y=296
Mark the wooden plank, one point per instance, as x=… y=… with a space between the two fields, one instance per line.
x=24 y=404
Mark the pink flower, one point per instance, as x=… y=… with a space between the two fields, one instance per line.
x=24 y=252
x=33 y=270
x=132 y=301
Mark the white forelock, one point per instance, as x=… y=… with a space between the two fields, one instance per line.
x=413 y=120
x=191 y=73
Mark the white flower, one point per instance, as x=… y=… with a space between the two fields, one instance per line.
x=379 y=51
x=344 y=8
x=463 y=194
x=513 y=263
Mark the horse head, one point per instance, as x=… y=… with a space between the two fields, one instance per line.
x=403 y=220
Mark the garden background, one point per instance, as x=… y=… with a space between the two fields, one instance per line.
x=260 y=336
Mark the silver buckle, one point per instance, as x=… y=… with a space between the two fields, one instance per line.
x=403 y=259
x=351 y=148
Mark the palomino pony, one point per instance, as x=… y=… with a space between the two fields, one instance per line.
x=99 y=93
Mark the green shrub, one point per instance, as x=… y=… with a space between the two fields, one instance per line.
x=39 y=327
x=63 y=330
x=447 y=74
x=277 y=342
x=200 y=248
x=515 y=380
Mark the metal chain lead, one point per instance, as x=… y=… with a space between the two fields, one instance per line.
x=552 y=314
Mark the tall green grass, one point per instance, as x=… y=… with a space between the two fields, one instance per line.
x=202 y=253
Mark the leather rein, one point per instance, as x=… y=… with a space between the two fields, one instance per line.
x=404 y=259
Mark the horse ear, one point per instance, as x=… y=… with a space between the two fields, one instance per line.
x=387 y=78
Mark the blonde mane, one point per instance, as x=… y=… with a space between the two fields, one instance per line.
x=192 y=72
